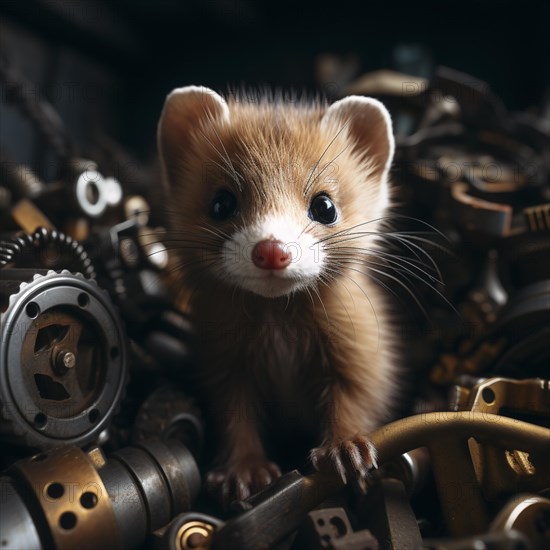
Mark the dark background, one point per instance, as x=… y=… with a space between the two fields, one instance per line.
x=107 y=65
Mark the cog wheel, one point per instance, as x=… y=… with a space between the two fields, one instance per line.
x=62 y=358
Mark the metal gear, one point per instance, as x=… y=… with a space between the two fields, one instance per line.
x=62 y=358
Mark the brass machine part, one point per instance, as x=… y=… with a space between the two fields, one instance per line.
x=29 y=217
x=493 y=395
x=193 y=534
x=72 y=497
x=188 y=531
x=504 y=472
x=497 y=218
x=65 y=498
x=444 y=434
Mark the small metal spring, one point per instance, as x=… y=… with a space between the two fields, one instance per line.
x=42 y=237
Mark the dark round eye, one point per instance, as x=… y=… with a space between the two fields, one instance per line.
x=223 y=206
x=322 y=209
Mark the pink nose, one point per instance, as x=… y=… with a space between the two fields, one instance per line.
x=270 y=255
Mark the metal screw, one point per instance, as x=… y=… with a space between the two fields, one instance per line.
x=65 y=360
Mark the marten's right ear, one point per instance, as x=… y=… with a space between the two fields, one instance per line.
x=186 y=110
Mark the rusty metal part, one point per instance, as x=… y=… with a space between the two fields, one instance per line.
x=387 y=512
x=496 y=218
x=189 y=531
x=65 y=498
x=62 y=360
x=505 y=471
x=528 y=514
x=330 y=528
x=73 y=499
x=444 y=434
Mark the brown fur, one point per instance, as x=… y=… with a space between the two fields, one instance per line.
x=323 y=355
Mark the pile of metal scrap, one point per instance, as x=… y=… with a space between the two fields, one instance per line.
x=110 y=453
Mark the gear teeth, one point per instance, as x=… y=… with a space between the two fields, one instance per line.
x=13 y=428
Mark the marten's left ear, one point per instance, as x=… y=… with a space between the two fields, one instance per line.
x=368 y=124
x=186 y=112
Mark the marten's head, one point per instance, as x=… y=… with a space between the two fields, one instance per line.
x=270 y=196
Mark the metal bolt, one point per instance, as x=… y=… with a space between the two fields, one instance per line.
x=65 y=360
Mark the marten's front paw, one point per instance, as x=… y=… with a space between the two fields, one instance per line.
x=351 y=459
x=241 y=479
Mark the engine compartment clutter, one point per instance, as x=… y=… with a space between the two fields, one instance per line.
x=104 y=441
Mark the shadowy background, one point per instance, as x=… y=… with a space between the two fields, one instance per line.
x=107 y=65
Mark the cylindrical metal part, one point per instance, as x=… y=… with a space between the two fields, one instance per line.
x=411 y=468
x=150 y=482
x=189 y=531
x=127 y=501
x=69 y=498
x=165 y=475
x=17 y=528
x=65 y=498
